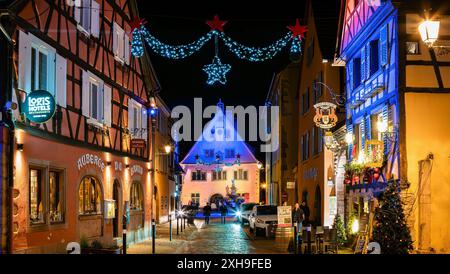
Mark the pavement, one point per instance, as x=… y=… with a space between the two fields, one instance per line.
x=215 y=238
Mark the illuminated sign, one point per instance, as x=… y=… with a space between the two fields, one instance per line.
x=39 y=106
x=325 y=117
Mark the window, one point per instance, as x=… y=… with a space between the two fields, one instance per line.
x=241 y=174
x=375 y=134
x=136 y=197
x=219 y=175
x=195 y=198
x=56 y=197
x=137 y=120
x=229 y=153
x=90 y=197
x=305 y=146
x=96 y=100
x=374 y=56
x=87 y=16
x=316 y=136
x=93 y=100
x=356 y=72
x=36 y=199
x=121 y=45
x=412 y=48
x=317 y=87
x=305 y=101
x=198 y=175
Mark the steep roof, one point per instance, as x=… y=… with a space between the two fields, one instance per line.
x=213 y=138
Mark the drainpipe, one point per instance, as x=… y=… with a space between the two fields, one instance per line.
x=9 y=123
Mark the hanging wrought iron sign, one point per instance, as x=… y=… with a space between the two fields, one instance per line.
x=39 y=106
x=325 y=117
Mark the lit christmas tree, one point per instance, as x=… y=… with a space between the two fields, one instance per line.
x=340 y=230
x=391 y=230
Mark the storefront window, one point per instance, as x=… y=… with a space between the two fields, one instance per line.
x=36 y=197
x=90 y=197
x=56 y=197
x=136 y=197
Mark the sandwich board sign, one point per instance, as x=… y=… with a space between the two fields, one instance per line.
x=284 y=216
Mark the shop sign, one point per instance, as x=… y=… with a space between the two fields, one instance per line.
x=118 y=166
x=290 y=185
x=39 y=106
x=284 y=216
x=137 y=143
x=325 y=117
x=90 y=159
x=137 y=169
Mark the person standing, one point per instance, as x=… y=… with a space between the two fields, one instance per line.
x=305 y=209
x=207 y=213
x=223 y=213
x=298 y=216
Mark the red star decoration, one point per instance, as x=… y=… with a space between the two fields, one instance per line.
x=297 y=30
x=137 y=23
x=216 y=23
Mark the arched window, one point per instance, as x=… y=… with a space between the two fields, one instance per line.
x=90 y=196
x=136 y=196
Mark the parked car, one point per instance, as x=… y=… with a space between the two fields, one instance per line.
x=262 y=217
x=244 y=211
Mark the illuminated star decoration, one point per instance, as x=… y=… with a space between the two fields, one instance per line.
x=216 y=23
x=216 y=71
x=298 y=30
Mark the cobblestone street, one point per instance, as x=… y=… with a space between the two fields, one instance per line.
x=215 y=238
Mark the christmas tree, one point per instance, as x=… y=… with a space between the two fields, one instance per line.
x=340 y=230
x=391 y=230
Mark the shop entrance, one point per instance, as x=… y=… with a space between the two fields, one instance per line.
x=116 y=197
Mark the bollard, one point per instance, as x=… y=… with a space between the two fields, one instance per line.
x=170 y=227
x=295 y=239
x=124 y=241
x=178 y=225
x=153 y=235
x=184 y=223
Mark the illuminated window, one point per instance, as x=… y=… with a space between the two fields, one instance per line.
x=136 y=197
x=195 y=198
x=241 y=174
x=198 y=175
x=36 y=198
x=56 y=197
x=89 y=197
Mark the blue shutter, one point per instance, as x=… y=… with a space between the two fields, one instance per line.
x=363 y=63
x=384 y=45
x=367 y=68
x=362 y=129
x=350 y=75
x=350 y=146
x=368 y=128
x=385 y=118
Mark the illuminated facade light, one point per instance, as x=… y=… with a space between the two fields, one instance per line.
x=429 y=31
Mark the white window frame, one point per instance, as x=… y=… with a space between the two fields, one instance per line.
x=50 y=52
x=137 y=120
x=121 y=44
x=93 y=80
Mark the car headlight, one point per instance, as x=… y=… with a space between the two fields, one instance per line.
x=238 y=213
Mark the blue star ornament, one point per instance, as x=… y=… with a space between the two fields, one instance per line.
x=216 y=71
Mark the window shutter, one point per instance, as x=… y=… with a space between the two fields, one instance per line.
x=363 y=63
x=362 y=129
x=24 y=82
x=61 y=80
x=350 y=146
x=367 y=68
x=368 y=128
x=100 y=102
x=85 y=94
x=131 y=125
x=115 y=40
x=95 y=19
x=127 y=49
x=77 y=12
x=144 y=123
x=350 y=69
x=107 y=104
x=384 y=45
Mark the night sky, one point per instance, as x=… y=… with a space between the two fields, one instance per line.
x=255 y=23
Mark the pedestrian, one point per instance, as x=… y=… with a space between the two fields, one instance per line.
x=223 y=213
x=297 y=217
x=207 y=213
x=306 y=211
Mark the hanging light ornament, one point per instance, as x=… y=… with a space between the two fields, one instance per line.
x=216 y=70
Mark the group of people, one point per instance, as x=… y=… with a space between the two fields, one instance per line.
x=300 y=215
x=207 y=213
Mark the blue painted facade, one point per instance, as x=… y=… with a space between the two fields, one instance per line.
x=371 y=61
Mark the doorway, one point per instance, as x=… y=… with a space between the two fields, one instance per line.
x=116 y=198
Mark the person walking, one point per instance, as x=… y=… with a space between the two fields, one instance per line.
x=298 y=216
x=306 y=211
x=223 y=213
x=207 y=213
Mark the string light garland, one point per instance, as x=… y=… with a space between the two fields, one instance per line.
x=216 y=70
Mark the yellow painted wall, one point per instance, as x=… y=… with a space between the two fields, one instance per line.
x=428 y=131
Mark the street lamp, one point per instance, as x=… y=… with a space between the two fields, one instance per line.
x=382 y=126
x=167 y=149
x=259 y=165
x=429 y=31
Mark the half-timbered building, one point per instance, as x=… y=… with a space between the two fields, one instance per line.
x=397 y=98
x=85 y=171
